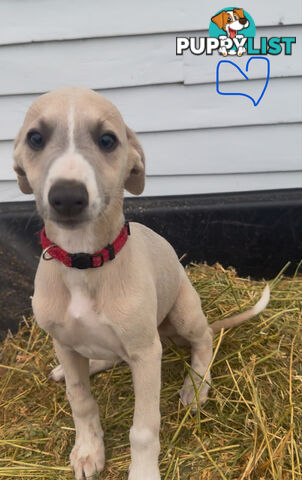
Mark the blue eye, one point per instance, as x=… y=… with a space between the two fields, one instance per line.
x=35 y=140
x=108 y=142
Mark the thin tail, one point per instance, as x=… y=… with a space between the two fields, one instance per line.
x=244 y=316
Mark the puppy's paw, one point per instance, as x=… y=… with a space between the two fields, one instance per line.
x=223 y=51
x=57 y=374
x=188 y=396
x=241 y=51
x=87 y=460
x=143 y=473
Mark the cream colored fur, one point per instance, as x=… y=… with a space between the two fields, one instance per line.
x=98 y=317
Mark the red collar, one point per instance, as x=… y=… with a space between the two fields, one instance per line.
x=84 y=260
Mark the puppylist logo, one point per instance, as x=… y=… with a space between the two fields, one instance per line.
x=232 y=32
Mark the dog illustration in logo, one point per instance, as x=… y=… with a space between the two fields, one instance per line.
x=231 y=21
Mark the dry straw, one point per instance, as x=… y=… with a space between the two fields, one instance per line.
x=250 y=428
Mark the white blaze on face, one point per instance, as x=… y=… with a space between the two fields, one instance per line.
x=71 y=165
x=231 y=14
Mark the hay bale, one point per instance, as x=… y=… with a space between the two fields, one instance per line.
x=250 y=428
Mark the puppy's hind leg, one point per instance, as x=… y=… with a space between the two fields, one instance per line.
x=189 y=321
x=57 y=374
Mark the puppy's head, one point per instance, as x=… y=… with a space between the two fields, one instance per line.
x=75 y=153
x=231 y=21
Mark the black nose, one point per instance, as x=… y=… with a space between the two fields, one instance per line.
x=68 y=197
x=242 y=20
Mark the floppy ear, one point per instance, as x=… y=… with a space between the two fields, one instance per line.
x=239 y=12
x=218 y=20
x=135 y=179
x=18 y=167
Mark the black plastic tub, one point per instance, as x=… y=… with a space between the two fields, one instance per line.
x=256 y=232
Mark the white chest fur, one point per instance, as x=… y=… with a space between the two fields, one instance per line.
x=87 y=330
x=81 y=305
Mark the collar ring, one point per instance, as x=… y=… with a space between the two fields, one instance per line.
x=45 y=251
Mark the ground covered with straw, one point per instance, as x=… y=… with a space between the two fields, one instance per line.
x=250 y=428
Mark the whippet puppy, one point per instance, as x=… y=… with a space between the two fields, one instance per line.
x=106 y=291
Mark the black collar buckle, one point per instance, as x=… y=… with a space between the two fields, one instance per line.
x=81 y=260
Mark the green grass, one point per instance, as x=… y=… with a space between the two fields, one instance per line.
x=250 y=428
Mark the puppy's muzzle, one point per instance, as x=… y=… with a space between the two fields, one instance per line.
x=69 y=198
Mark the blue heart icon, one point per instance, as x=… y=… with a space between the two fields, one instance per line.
x=255 y=102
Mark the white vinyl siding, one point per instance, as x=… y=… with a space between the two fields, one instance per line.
x=195 y=140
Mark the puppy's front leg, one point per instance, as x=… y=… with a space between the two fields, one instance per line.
x=87 y=456
x=144 y=434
